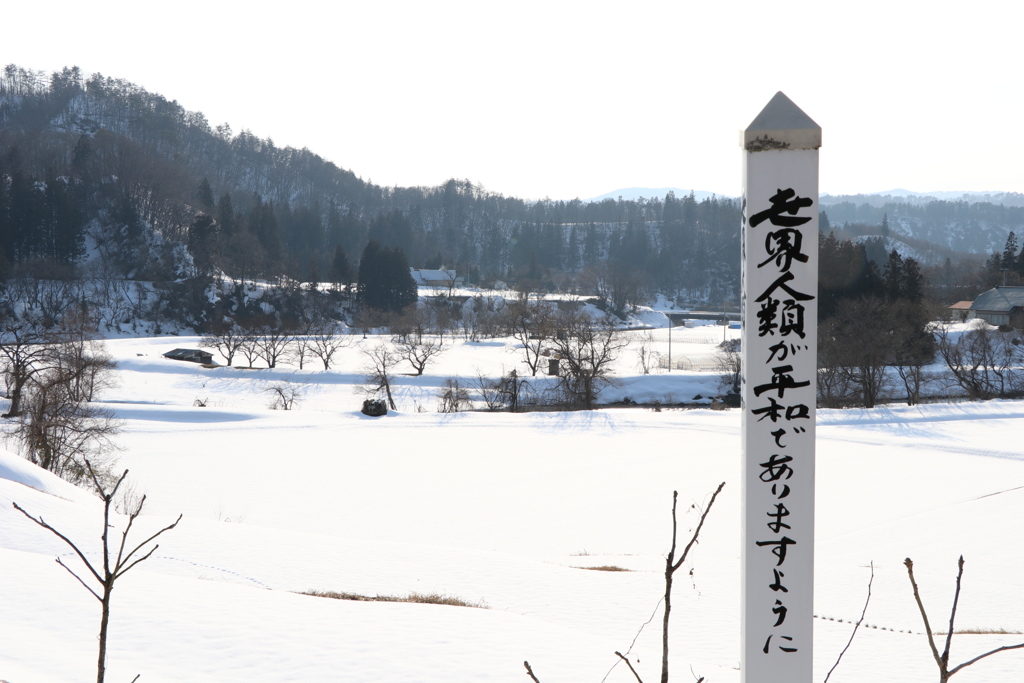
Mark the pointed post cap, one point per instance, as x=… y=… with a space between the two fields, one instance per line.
x=781 y=125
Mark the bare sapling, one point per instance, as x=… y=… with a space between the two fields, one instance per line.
x=855 y=626
x=942 y=660
x=672 y=565
x=115 y=564
x=381 y=362
x=284 y=395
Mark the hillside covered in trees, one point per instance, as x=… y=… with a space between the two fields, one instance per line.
x=97 y=163
x=98 y=169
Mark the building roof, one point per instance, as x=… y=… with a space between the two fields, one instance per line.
x=423 y=276
x=961 y=306
x=999 y=299
x=187 y=354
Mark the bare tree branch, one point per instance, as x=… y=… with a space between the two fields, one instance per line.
x=991 y=652
x=670 y=568
x=856 y=626
x=630 y=665
x=127 y=528
x=909 y=564
x=117 y=568
x=87 y=587
x=952 y=612
x=529 y=672
x=696 y=533
x=62 y=537
x=945 y=673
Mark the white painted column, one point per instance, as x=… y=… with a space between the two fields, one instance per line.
x=779 y=355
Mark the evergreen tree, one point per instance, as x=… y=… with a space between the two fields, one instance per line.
x=226 y=215
x=385 y=282
x=264 y=227
x=62 y=225
x=1009 y=258
x=434 y=262
x=313 y=276
x=341 y=271
x=22 y=217
x=204 y=194
x=893 y=276
x=200 y=242
x=82 y=156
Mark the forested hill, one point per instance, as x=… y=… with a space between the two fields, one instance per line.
x=95 y=158
x=977 y=227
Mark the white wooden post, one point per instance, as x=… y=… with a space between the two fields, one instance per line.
x=779 y=356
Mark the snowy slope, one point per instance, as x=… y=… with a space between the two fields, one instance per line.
x=499 y=509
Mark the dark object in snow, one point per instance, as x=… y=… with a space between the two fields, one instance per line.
x=731 y=400
x=191 y=355
x=731 y=345
x=374 y=408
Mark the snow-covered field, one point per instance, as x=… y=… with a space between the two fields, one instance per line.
x=499 y=509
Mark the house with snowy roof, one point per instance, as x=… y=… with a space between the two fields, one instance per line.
x=1000 y=306
x=436 y=278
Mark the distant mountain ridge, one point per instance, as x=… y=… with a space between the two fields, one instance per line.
x=634 y=193
x=901 y=196
x=876 y=199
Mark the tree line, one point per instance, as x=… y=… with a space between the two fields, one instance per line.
x=130 y=158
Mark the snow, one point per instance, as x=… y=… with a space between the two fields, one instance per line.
x=500 y=509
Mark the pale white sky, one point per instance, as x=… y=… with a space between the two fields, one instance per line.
x=567 y=99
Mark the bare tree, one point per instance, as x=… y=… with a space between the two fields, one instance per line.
x=325 y=338
x=226 y=337
x=586 y=349
x=618 y=284
x=274 y=339
x=50 y=298
x=117 y=557
x=367 y=319
x=490 y=391
x=249 y=338
x=984 y=362
x=453 y=397
x=444 y=314
x=284 y=395
x=60 y=433
x=512 y=389
x=300 y=348
x=730 y=365
x=79 y=358
x=529 y=322
x=134 y=295
x=942 y=660
x=381 y=362
x=913 y=346
x=24 y=345
x=420 y=354
x=645 y=355
x=856 y=345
